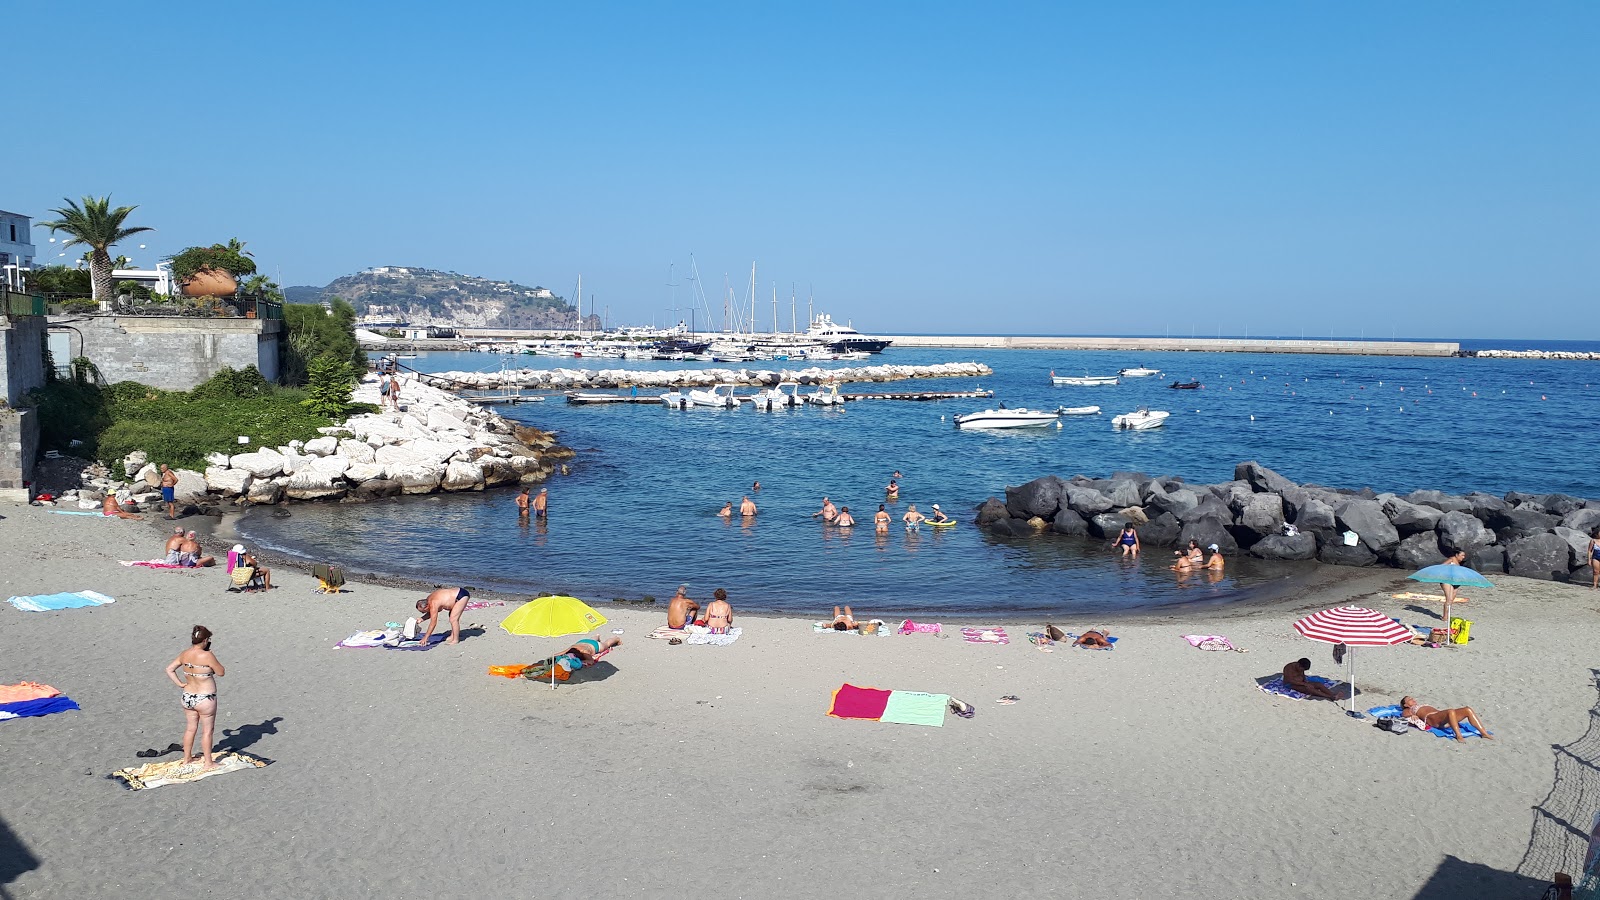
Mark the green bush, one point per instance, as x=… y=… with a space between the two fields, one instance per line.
x=312 y=331
x=328 y=386
x=217 y=256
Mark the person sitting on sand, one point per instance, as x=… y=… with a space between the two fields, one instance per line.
x=1094 y=639
x=175 y=546
x=189 y=553
x=843 y=621
x=1431 y=717
x=1128 y=540
x=828 y=512
x=747 y=508
x=912 y=518
x=880 y=520
x=680 y=609
x=719 y=614
x=938 y=515
x=434 y=606
x=845 y=520
x=1216 y=561
x=726 y=511
x=112 y=508
x=1294 y=677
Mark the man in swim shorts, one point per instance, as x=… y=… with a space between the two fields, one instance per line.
x=892 y=492
x=747 y=508
x=169 y=491
x=828 y=512
x=189 y=553
x=680 y=609
x=175 y=546
x=444 y=600
x=541 y=504
x=726 y=511
x=1294 y=676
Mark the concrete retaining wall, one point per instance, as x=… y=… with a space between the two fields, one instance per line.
x=21 y=356
x=19 y=445
x=176 y=352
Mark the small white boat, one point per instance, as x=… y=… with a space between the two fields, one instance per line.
x=826 y=396
x=1138 y=372
x=1081 y=380
x=718 y=396
x=1008 y=418
x=1141 y=419
x=777 y=398
x=675 y=400
x=1079 y=410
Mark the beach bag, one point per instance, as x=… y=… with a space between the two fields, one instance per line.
x=1460 y=630
x=241 y=575
x=1393 y=725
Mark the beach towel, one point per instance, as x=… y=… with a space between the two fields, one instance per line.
x=1417 y=595
x=910 y=627
x=1109 y=639
x=699 y=634
x=1393 y=712
x=667 y=632
x=27 y=690
x=161 y=774
x=48 y=602
x=994 y=635
x=402 y=644
x=74 y=512
x=484 y=604
x=152 y=564
x=1210 y=642
x=43 y=706
x=827 y=628
x=1276 y=686
x=363 y=640
x=897 y=707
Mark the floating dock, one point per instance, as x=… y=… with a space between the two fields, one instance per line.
x=497 y=400
x=923 y=395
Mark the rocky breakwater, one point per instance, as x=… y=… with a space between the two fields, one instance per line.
x=1535 y=536
x=1533 y=354
x=437 y=442
x=571 y=379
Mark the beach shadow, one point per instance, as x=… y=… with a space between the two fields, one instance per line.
x=1424 y=611
x=247 y=735
x=596 y=671
x=1456 y=878
x=1565 y=824
x=15 y=858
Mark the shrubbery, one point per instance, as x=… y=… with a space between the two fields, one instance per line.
x=312 y=332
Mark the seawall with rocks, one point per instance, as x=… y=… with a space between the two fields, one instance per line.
x=1542 y=536
x=1532 y=354
x=567 y=379
x=436 y=442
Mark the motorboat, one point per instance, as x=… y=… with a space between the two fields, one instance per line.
x=1085 y=380
x=1008 y=418
x=1185 y=385
x=675 y=400
x=827 y=395
x=1141 y=419
x=778 y=398
x=1079 y=410
x=843 y=338
x=1138 y=372
x=720 y=396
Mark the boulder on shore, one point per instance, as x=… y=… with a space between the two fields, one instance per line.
x=1542 y=556
x=1417 y=551
x=1068 y=522
x=1039 y=497
x=1366 y=519
x=1261 y=479
x=1208 y=530
x=1461 y=531
x=1286 y=546
x=1086 y=501
x=991 y=510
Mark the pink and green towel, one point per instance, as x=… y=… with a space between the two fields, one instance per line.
x=899 y=707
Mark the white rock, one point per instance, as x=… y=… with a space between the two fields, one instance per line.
x=88 y=503
x=330 y=466
x=421 y=478
x=263 y=463
x=310 y=484
x=220 y=460
x=355 y=451
x=228 y=482
x=463 y=476
x=135 y=461
x=266 y=490
x=190 y=484
x=149 y=474
x=363 y=471
x=442 y=418
x=322 y=446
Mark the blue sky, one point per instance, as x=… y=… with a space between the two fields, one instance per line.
x=1421 y=169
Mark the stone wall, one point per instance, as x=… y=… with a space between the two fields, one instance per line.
x=21 y=356
x=19 y=445
x=176 y=352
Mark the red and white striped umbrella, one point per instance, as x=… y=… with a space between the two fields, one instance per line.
x=1354 y=626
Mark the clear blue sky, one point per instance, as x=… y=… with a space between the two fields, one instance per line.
x=1425 y=169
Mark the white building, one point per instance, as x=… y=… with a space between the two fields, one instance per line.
x=16 y=246
x=158 y=280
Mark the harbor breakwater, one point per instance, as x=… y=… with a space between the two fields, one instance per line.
x=1534 y=536
x=566 y=379
x=1533 y=354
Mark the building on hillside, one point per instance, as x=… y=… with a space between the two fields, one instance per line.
x=157 y=280
x=16 y=247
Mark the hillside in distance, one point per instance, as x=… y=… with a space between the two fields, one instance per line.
x=430 y=297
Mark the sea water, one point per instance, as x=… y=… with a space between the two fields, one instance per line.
x=637 y=514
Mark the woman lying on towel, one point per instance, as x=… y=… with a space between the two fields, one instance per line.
x=1428 y=717
x=1094 y=639
x=584 y=653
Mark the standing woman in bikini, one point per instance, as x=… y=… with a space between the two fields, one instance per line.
x=1594 y=558
x=200 y=669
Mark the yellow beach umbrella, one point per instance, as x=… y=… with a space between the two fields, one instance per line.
x=553 y=617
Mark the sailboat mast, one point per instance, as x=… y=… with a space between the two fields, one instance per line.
x=774 y=308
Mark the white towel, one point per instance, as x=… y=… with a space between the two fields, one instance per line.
x=699 y=634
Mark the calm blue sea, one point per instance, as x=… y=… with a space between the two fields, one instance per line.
x=637 y=515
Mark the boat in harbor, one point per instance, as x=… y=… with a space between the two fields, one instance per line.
x=1078 y=410
x=1138 y=372
x=720 y=396
x=1008 y=418
x=1084 y=380
x=1185 y=385
x=843 y=338
x=1141 y=419
x=675 y=400
x=778 y=398
x=828 y=395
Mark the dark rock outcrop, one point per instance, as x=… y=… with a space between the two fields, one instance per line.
x=991 y=511
x=1462 y=531
x=1086 y=501
x=1106 y=526
x=1521 y=521
x=1287 y=547
x=1261 y=478
x=1039 y=497
x=1340 y=554
x=1162 y=531
x=1262 y=516
x=1412 y=518
x=1069 y=523
x=1417 y=551
x=1542 y=556
x=1366 y=519
x=1208 y=530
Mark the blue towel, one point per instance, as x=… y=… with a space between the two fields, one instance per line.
x=47 y=602
x=44 y=706
x=1276 y=686
x=74 y=512
x=1393 y=712
x=1109 y=640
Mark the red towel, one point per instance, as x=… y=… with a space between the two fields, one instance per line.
x=851 y=702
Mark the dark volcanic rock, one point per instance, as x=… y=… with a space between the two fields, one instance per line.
x=1235 y=494
x=1106 y=525
x=992 y=510
x=1483 y=505
x=1180 y=500
x=1411 y=518
x=1585 y=520
x=1578 y=542
x=1039 y=497
x=1486 y=559
x=1261 y=478
x=1123 y=492
x=1338 y=554
x=1462 y=531
x=1293 y=499
x=1162 y=531
x=1007 y=527
x=1366 y=518
x=1440 y=500
x=1069 y=522
x=1263 y=515
x=1283 y=546
x=1560 y=504
x=1542 y=556
x=1208 y=530
x=1417 y=551
x=1086 y=502
x=1209 y=507
x=1519 y=522
x=1316 y=517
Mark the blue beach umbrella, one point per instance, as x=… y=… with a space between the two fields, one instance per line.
x=1459 y=576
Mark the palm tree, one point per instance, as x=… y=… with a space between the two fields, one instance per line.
x=99 y=227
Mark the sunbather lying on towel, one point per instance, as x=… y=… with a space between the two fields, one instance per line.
x=843 y=621
x=1432 y=717
x=584 y=653
x=1094 y=639
x=1294 y=676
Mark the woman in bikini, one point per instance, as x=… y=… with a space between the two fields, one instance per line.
x=1594 y=559
x=719 y=613
x=200 y=669
x=1429 y=717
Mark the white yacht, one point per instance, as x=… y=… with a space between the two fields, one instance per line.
x=1008 y=418
x=1141 y=419
x=1079 y=410
x=1085 y=380
x=843 y=338
x=720 y=396
x=1138 y=372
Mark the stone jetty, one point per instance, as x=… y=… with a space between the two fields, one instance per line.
x=1541 y=536
x=437 y=442
x=569 y=379
x=1532 y=354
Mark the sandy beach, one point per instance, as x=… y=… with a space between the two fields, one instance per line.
x=1152 y=770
